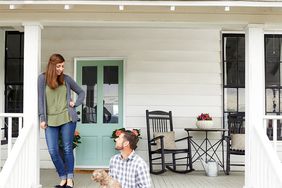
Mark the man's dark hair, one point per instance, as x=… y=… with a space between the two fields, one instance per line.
x=131 y=138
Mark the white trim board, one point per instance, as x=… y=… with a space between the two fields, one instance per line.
x=154 y=3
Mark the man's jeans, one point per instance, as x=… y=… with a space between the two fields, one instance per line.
x=64 y=169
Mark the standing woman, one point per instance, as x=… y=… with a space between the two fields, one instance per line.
x=57 y=115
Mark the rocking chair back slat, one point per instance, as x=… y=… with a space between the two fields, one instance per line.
x=160 y=122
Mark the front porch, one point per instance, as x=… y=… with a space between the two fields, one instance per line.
x=48 y=178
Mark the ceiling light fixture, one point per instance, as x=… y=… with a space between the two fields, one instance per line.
x=11 y=7
x=121 y=7
x=67 y=7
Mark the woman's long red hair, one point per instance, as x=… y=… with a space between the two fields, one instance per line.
x=52 y=79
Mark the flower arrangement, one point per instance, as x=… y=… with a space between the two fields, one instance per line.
x=204 y=121
x=75 y=142
x=118 y=132
x=204 y=117
x=76 y=139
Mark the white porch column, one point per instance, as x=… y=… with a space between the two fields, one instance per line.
x=254 y=90
x=2 y=84
x=32 y=62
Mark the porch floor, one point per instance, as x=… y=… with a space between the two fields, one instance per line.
x=48 y=178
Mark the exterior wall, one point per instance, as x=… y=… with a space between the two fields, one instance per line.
x=165 y=69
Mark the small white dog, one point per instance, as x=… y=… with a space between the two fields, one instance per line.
x=106 y=181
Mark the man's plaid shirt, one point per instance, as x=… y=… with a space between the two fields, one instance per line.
x=132 y=172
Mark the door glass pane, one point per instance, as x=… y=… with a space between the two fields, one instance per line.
x=230 y=103
x=110 y=89
x=241 y=93
x=272 y=100
x=89 y=85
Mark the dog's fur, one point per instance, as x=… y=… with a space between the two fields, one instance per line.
x=106 y=181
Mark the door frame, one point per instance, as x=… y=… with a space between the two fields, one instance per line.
x=75 y=61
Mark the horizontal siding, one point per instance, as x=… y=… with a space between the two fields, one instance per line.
x=173 y=100
x=129 y=34
x=170 y=89
x=137 y=44
x=173 y=78
x=173 y=67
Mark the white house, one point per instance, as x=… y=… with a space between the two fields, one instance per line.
x=188 y=57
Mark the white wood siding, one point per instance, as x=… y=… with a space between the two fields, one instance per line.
x=165 y=69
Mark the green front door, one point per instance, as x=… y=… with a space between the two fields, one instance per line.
x=101 y=112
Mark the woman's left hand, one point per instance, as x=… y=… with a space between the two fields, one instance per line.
x=71 y=104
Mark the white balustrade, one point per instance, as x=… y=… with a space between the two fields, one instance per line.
x=11 y=117
x=20 y=165
x=266 y=166
x=274 y=119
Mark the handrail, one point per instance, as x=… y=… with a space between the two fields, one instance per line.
x=20 y=165
x=11 y=115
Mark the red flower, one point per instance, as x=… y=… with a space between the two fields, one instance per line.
x=204 y=117
x=135 y=132
x=76 y=133
x=118 y=132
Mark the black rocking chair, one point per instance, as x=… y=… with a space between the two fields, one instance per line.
x=160 y=122
x=236 y=126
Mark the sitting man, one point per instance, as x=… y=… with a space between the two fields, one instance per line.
x=127 y=167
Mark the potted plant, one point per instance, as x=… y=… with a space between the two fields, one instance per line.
x=204 y=121
x=75 y=142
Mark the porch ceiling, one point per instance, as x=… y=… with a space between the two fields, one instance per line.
x=131 y=6
x=141 y=13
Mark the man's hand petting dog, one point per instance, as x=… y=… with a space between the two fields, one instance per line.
x=106 y=181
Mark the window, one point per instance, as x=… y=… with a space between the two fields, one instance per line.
x=234 y=77
x=273 y=83
x=14 y=76
x=233 y=74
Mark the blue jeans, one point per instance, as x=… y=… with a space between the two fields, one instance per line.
x=64 y=169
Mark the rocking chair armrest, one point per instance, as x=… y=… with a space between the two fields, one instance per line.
x=185 y=138
x=156 y=138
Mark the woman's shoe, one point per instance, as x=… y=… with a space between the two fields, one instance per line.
x=67 y=186
x=61 y=186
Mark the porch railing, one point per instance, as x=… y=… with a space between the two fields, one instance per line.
x=266 y=166
x=8 y=125
x=20 y=166
x=22 y=162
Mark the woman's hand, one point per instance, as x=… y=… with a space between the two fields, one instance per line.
x=71 y=104
x=43 y=125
